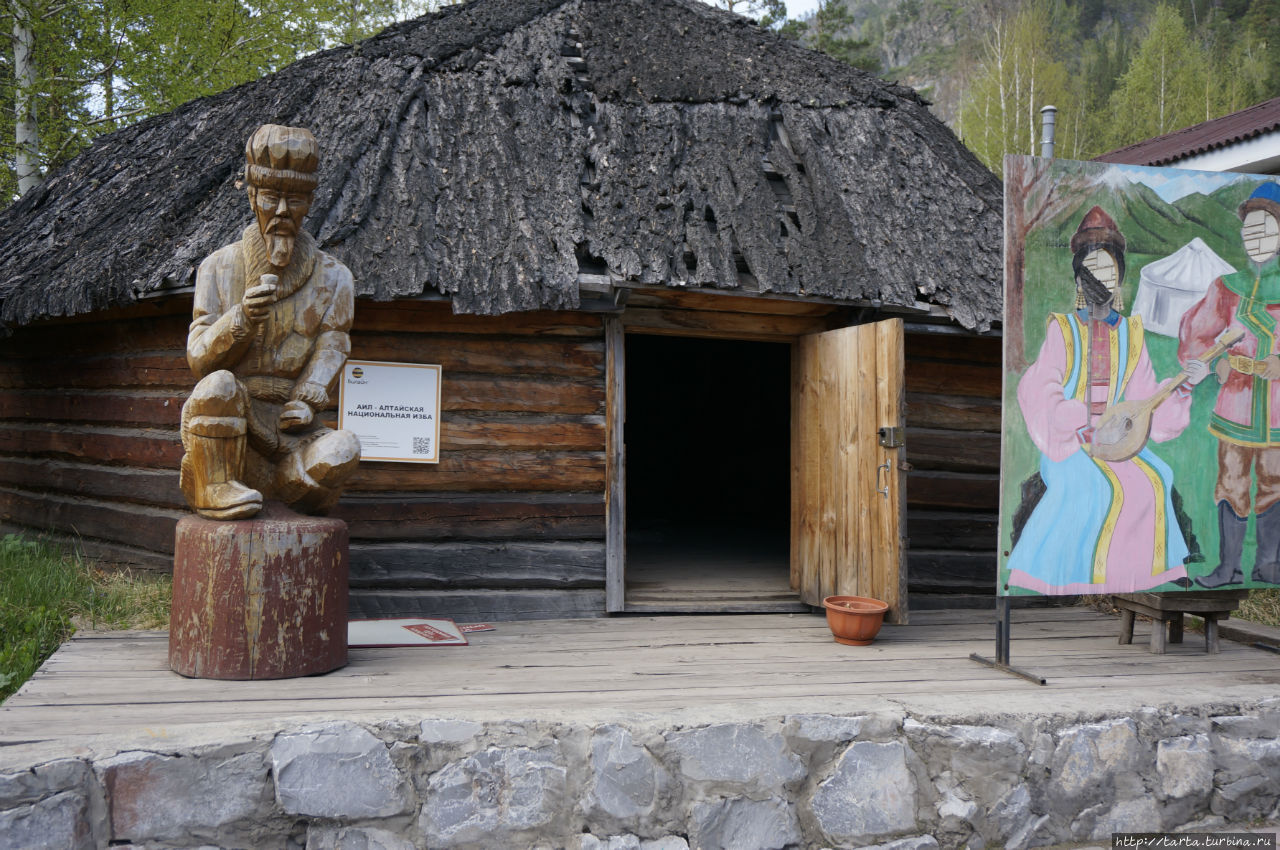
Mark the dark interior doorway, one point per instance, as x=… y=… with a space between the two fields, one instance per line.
x=708 y=475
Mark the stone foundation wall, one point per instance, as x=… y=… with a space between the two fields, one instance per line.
x=800 y=781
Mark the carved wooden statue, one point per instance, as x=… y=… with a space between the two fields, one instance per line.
x=268 y=339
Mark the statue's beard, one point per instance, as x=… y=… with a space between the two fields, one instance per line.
x=279 y=248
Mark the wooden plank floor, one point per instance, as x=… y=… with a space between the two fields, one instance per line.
x=690 y=668
x=692 y=571
x=693 y=585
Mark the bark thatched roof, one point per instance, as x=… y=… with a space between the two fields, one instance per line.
x=493 y=151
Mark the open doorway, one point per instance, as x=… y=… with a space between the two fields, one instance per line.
x=708 y=475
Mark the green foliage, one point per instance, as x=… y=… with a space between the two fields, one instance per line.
x=830 y=33
x=1118 y=72
x=1000 y=112
x=1167 y=85
x=45 y=594
x=768 y=12
x=101 y=64
x=832 y=30
x=32 y=620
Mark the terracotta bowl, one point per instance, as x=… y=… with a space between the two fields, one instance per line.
x=854 y=620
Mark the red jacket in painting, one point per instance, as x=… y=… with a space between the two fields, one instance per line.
x=1248 y=409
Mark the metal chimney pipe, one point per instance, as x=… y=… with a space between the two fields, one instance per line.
x=1048 y=118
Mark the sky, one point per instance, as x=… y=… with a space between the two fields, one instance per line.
x=795 y=8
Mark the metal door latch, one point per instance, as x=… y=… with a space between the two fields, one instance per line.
x=892 y=438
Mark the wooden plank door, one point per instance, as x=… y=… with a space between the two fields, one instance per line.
x=848 y=491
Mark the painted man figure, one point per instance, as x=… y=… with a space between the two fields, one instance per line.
x=268 y=340
x=1246 y=419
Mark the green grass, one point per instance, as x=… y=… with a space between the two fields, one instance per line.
x=46 y=594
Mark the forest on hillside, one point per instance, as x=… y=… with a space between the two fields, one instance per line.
x=1118 y=70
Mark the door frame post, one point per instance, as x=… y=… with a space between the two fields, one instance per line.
x=615 y=506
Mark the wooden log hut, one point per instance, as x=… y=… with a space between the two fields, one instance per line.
x=618 y=226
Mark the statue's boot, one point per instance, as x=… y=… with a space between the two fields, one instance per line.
x=1231 y=529
x=310 y=480
x=214 y=433
x=213 y=462
x=1268 y=562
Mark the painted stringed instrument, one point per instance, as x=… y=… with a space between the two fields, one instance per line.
x=1125 y=427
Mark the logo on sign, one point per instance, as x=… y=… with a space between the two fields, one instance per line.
x=357 y=372
x=429 y=632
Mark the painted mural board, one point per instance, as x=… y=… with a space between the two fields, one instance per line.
x=1141 y=434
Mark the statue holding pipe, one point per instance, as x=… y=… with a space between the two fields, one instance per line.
x=268 y=339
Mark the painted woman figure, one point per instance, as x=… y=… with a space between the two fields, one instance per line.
x=1101 y=527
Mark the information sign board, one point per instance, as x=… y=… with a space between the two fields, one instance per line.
x=394 y=408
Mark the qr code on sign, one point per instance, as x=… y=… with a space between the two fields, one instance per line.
x=422 y=445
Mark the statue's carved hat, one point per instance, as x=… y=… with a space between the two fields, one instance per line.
x=1098 y=230
x=1266 y=198
x=282 y=158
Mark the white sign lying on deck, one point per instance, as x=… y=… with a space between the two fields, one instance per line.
x=414 y=631
x=394 y=408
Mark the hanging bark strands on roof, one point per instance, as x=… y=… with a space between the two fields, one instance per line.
x=583 y=173
x=486 y=151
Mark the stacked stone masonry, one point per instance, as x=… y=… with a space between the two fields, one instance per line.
x=801 y=781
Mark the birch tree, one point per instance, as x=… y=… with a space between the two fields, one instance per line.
x=78 y=68
x=26 y=127
x=38 y=92
x=1167 y=86
x=1240 y=70
x=1000 y=112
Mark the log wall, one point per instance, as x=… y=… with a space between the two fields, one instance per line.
x=511 y=519
x=89 y=445
x=953 y=446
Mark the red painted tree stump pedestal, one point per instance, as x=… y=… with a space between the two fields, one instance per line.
x=262 y=598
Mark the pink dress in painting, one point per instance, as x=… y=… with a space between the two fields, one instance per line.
x=1101 y=527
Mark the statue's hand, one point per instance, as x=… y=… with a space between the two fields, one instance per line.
x=1270 y=368
x=295 y=415
x=257 y=301
x=1197 y=371
x=312 y=393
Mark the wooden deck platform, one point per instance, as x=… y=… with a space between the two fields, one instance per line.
x=691 y=668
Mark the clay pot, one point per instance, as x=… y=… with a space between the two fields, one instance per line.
x=854 y=620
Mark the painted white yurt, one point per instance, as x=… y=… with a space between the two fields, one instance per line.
x=1168 y=287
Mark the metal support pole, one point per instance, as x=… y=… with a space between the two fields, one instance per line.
x=1003 y=630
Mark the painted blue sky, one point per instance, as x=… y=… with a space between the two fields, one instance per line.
x=1169 y=187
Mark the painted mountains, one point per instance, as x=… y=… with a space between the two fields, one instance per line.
x=1154 y=227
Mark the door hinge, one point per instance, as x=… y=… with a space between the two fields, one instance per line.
x=892 y=438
